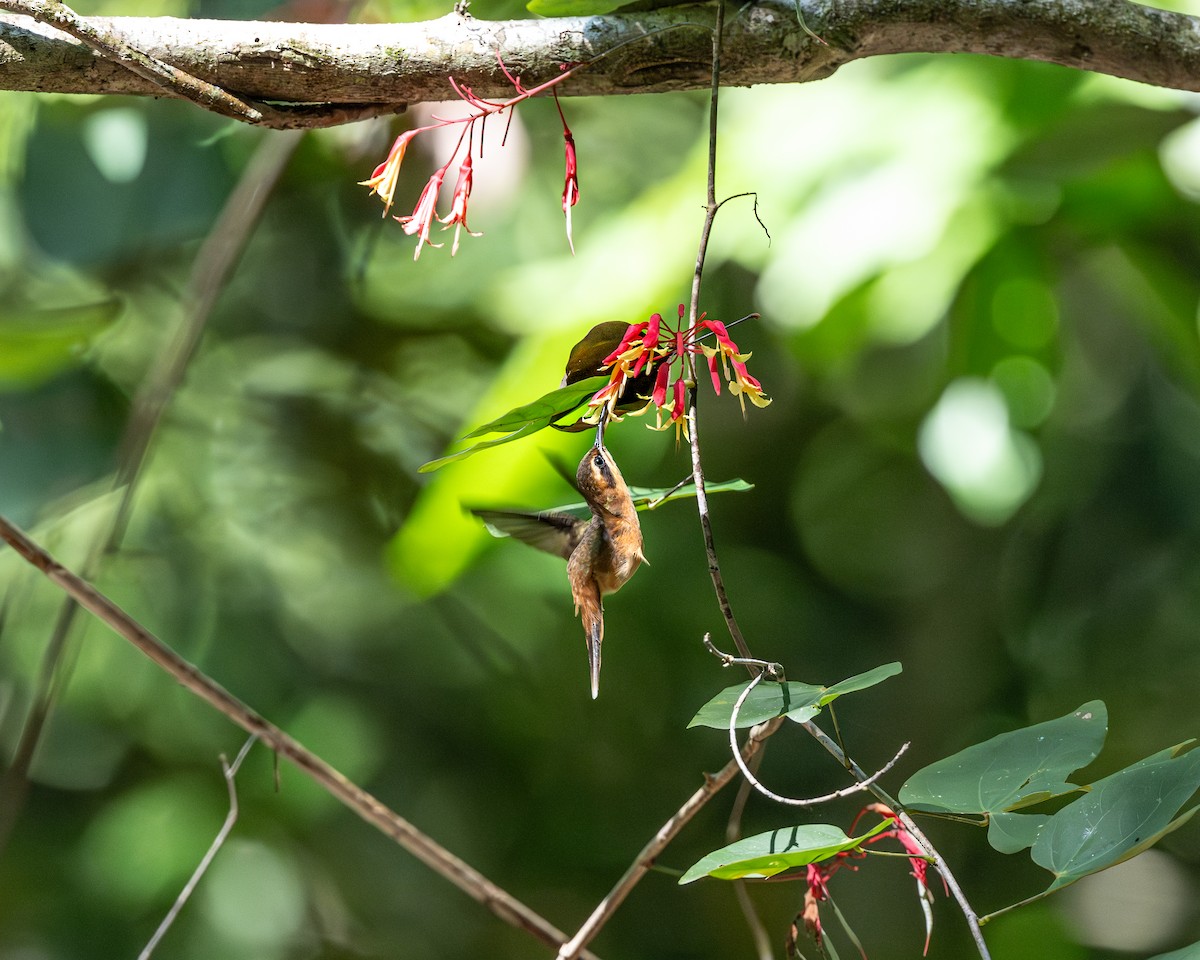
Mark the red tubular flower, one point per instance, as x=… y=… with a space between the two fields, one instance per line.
x=570 y=195
x=633 y=333
x=570 y=187
x=424 y=213
x=383 y=180
x=643 y=346
x=741 y=384
x=659 y=396
x=458 y=205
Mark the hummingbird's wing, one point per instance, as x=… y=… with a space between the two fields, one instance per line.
x=556 y=533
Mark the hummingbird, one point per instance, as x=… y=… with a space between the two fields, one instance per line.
x=602 y=552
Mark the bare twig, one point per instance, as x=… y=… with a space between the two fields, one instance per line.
x=230 y=771
x=216 y=259
x=177 y=82
x=774 y=671
x=424 y=848
x=713 y=784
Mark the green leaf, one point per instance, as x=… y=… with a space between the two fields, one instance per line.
x=780 y=851
x=436 y=464
x=524 y=420
x=547 y=407
x=643 y=497
x=862 y=681
x=1012 y=770
x=572 y=8
x=1013 y=832
x=796 y=701
x=1119 y=816
x=769 y=699
x=36 y=345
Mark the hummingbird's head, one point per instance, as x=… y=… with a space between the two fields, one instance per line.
x=601 y=483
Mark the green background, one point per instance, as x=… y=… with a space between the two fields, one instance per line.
x=979 y=297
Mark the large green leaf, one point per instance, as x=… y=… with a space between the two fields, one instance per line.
x=547 y=407
x=797 y=701
x=780 y=851
x=1013 y=832
x=524 y=420
x=1119 y=816
x=38 y=344
x=1012 y=770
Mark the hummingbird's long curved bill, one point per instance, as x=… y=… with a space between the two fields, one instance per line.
x=594 y=646
x=601 y=423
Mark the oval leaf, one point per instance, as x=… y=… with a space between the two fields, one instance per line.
x=780 y=851
x=524 y=420
x=797 y=701
x=766 y=701
x=1119 y=816
x=1012 y=770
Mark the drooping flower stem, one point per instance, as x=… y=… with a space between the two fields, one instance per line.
x=710 y=214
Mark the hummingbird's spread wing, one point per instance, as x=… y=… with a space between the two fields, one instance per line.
x=556 y=533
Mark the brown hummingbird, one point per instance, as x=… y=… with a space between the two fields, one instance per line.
x=602 y=552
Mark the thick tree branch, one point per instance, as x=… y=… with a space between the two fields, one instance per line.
x=378 y=64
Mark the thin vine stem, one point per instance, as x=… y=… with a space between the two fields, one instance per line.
x=229 y=770
x=756 y=668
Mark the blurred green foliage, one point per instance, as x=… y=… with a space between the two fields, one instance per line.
x=979 y=298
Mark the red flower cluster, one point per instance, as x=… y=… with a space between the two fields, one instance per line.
x=654 y=344
x=818 y=874
x=385 y=176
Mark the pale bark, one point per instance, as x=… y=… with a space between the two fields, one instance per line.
x=658 y=50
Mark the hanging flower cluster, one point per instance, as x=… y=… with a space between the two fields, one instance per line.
x=818 y=876
x=653 y=346
x=419 y=223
